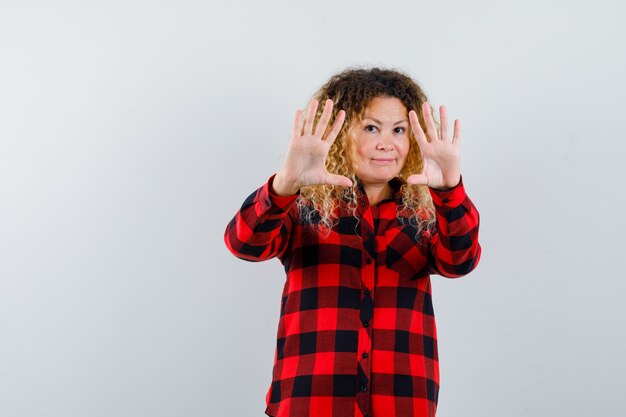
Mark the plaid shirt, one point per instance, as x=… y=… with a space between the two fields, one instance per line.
x=356 y=334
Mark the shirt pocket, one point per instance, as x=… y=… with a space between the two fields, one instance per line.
x=406 y=252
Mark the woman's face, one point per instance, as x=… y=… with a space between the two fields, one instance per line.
x=381 y=141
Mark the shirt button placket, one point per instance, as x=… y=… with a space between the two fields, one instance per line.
x=368 y=272
x=366 y=316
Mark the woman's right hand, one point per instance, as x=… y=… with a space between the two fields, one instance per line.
x=305 y=163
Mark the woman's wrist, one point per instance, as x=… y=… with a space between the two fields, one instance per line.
x=282 y=187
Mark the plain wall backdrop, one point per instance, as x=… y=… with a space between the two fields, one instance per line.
x=132 y=131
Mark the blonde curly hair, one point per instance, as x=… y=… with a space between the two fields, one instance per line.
x=351 y=91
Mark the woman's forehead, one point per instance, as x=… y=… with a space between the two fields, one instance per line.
x=385 y=110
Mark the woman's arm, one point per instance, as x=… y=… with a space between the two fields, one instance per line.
x=261 y=229
x=454 y=247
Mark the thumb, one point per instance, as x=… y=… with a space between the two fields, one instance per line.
x=417 y=179
x=340 y=180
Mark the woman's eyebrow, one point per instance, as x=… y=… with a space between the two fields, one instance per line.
x=380 y=123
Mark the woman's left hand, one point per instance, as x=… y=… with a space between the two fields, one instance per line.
x=440 y=155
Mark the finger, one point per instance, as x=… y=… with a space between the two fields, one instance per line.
x=336 y=128
x=417 y=179
x=320 y=128
x=310 y=116
x=296 y=124
x=339 y=180
x=457 y=132
x=443 y=118
x=417 y=129
x=431 y=127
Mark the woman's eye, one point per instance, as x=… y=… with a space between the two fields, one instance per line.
x=371 y=128
x=400 y=130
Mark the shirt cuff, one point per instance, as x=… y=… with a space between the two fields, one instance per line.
x=449 y=198
x=281 y=202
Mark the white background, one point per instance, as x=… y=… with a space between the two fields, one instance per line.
x=131 y=132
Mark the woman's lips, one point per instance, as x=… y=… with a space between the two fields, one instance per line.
x=383 y=160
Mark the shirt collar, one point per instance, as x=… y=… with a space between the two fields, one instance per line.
x=396 y=184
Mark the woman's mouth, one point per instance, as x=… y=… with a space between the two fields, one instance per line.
x=383 y=160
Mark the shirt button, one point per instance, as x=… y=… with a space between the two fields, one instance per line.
x=363 y=388
x=364 y=355
x=367 y=292
x=366 y=323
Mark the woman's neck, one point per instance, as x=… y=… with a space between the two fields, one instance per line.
x=377 y=193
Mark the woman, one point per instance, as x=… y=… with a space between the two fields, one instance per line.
x=369 y=202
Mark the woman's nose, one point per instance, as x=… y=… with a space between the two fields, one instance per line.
x=384 y=146
x=385 y=142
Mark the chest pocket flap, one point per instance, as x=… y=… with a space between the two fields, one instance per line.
x=407 y=253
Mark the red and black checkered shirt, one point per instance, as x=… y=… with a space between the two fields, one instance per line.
x=356 y=335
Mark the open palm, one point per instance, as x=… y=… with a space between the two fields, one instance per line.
x=441 y=156
x=305 y=162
